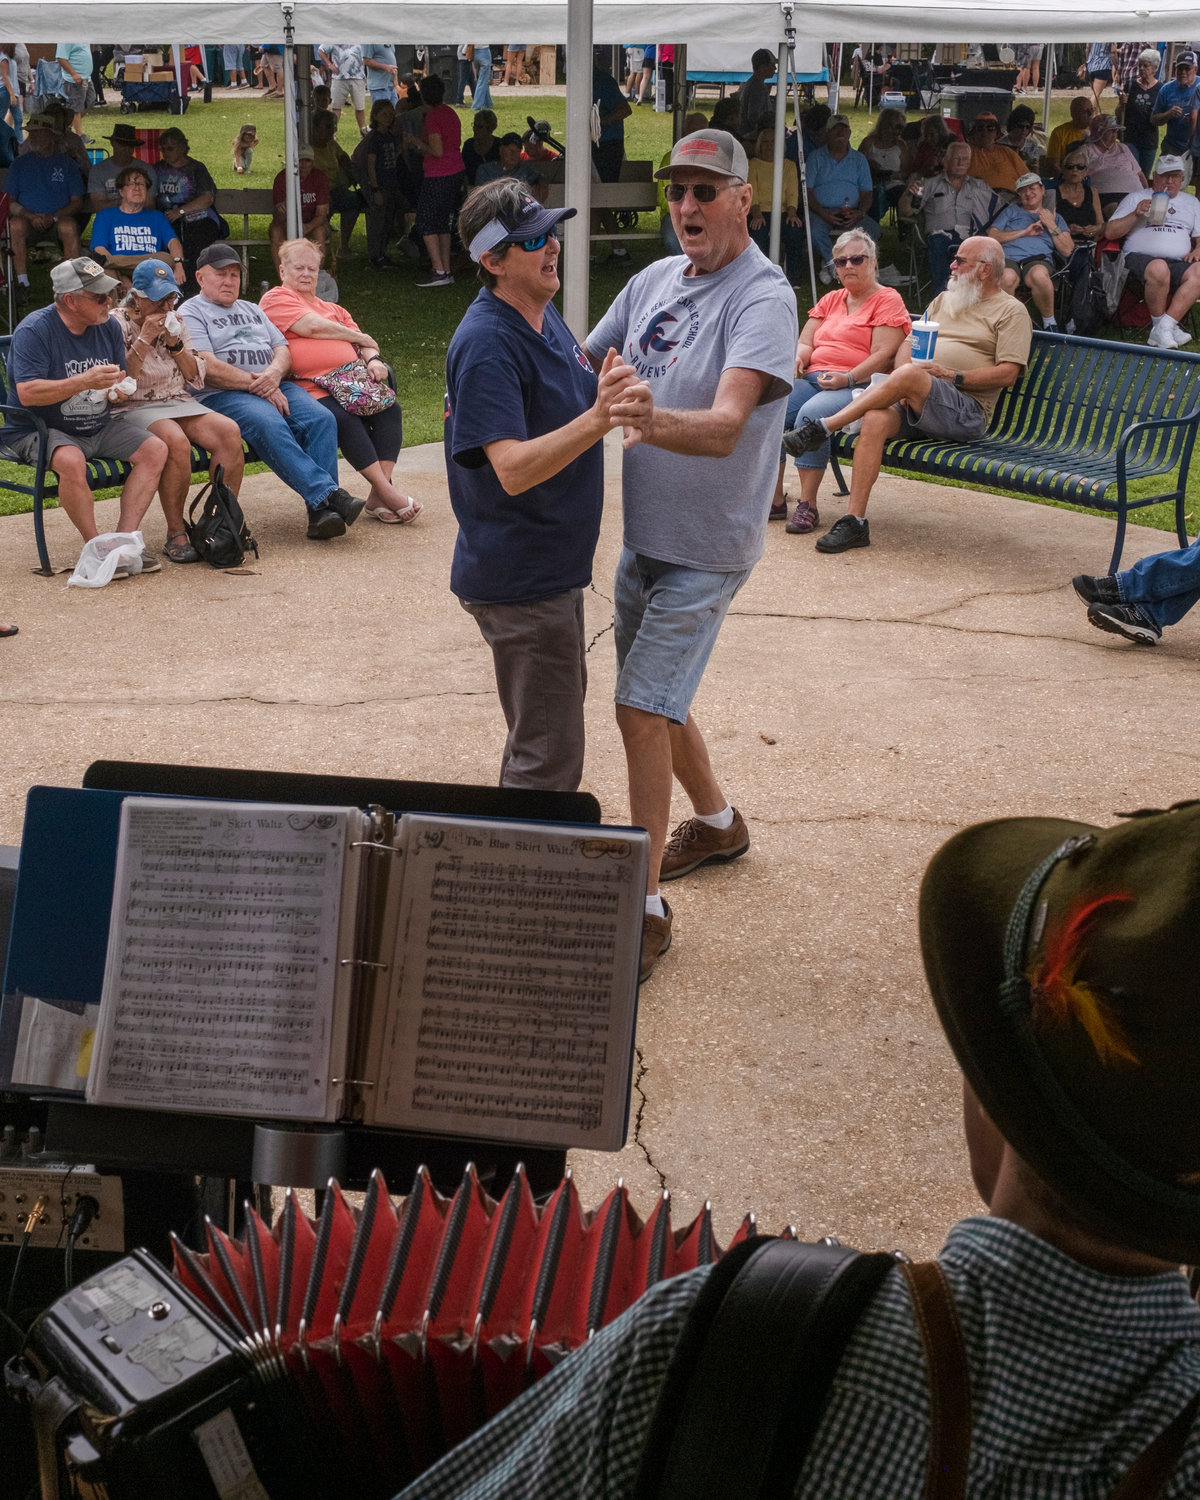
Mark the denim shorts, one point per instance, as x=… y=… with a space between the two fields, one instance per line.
x=667 y=621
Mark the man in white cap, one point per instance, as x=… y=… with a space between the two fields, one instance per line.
x=1032 y=235
x=63 y=363
x=712 y=335
x=1164 y=255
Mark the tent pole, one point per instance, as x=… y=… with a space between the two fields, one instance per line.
x=833 y=61
x=679 y=104
x=1049 y=64
x=577 y=187
x=781 y=93
x=290 y=145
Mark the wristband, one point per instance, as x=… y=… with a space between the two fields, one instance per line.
x=173 y=348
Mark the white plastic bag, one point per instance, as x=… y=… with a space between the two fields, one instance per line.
x=103 y=555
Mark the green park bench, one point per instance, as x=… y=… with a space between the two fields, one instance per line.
x=1086 y=418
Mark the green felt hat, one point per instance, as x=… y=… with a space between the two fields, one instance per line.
x=1064 y=961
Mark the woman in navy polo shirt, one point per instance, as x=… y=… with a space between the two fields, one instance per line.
x=525 y=415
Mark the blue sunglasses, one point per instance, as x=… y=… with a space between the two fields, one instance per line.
x=538 y=243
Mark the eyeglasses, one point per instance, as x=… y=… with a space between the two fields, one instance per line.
x=94 y=296
x=538 y=242
x=994 y=129
x=703 y=192
x=848 y=260
x=957 y=260
x=1074 y=166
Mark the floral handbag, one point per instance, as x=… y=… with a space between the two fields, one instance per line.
x=354 y=389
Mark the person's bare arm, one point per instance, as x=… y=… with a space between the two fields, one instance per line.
x=520 y=465
x=49 y=392
x=885 y=341
x=709 y=432
x=1117 y=229
x=975 y=382
x=234 y=378
x=311 y=325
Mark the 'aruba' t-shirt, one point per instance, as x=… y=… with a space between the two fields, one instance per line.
x=505 y=380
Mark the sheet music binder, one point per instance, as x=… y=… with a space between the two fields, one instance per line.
x=67 y=883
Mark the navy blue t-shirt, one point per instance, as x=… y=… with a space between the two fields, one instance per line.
x=44 y=348
x=504 y=380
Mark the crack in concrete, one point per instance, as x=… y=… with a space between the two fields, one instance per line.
x=865 y=816
x=236 y=698
x=637 y=1119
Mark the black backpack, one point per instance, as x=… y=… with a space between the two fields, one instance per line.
x=1089 y=301
x=220 y=536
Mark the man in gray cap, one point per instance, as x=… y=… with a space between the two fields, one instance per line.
x=712 y=336
x=65 y=362
x=1031 y=236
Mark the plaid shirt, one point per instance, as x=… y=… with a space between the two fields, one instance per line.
x=1125 y=68
x=1073 y=1374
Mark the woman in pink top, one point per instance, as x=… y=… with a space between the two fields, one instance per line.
x=850 y=335
x=441 y=185
x=322 y=337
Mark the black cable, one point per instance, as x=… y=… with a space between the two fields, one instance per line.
x=86 y=1209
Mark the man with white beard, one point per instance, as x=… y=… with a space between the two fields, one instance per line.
x=982 y=347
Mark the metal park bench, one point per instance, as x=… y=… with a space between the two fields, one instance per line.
x=102 y=473
x=1087 y=417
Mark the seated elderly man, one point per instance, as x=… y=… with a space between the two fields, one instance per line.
x=1060 y=958
x=1031 y=236
x=314 y=204
x=244 y=379
x=999 y=166
x=45 y=190
x=955 y=205
x=1068 y=133
x=1164 y=256
x=102 y=175
x=839 y=193
x=63 y=362
x=982 y=346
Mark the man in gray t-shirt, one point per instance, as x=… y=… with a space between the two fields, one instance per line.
x=712 y=334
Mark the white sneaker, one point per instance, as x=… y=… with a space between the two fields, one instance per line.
x=1160 y=338
x=1180 y=335
x=825 y=275
x=890 y=276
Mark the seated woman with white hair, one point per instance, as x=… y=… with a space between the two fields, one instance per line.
x=851 y=334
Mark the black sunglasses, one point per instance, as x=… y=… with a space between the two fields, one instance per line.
x=848 y=260
x=703 y=192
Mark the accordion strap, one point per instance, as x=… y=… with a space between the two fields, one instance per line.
x=749 y=1376
x=949 y=1380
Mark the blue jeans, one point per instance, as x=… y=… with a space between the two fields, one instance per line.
x=822 y=236
x=301 y=447
x=1164 y=586
x=666 y=622
x=791 y=242
x=941 y=249
x=465 y=81
x=1146 y=157
x=809 y=400
x=481 y=94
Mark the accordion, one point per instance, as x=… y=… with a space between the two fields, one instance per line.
x=336 y=1356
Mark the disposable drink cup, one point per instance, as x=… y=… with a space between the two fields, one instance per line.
x=924 y=339
x=1158 y=208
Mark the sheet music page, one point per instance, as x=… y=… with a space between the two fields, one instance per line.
x=514 y=984
x=222 y=989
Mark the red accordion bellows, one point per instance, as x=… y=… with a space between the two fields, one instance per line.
x=405 y=1327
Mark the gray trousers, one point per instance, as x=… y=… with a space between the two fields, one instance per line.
x=540 y=657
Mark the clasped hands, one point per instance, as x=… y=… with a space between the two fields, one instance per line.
x=623 y=400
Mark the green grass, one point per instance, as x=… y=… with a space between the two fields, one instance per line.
x=414 y=326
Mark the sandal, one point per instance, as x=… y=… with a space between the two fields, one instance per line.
x=6 y=630
x=180 y=551
x=779 y=512
x=391 y=517
x=804 y=518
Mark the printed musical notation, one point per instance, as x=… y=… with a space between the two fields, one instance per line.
x=222 y=959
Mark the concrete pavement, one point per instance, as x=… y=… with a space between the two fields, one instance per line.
x=858 y=708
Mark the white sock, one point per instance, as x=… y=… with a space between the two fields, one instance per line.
x=722 y=819
x=654 y=906
x=1162 y=318
x=823 y=424
x=1050 y=323
x=23 y=279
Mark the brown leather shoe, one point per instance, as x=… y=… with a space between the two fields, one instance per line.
x=694 y=844
x=656 y=939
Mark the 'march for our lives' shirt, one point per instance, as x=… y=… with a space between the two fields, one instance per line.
x=505 y=380
x=681 y=333
x=241 y=335
x=119 y=233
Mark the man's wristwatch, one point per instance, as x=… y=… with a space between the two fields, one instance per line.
x=958 y=380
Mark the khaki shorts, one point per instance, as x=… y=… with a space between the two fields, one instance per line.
x=353 y=90
x=948 y=412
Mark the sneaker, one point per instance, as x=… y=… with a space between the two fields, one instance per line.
x=825 y=275
x=845 y=533
x=621 y=258
x=1096 y=590
x=324 y=523
x=890 y=276
x=806 y=438
x=1180 y=335
x=438 y=278
x=150 y=563
x=694 y=844
x=1161 y=338
x=656 y=939
x=346 y=506
x=804 y=518
x=1127 y=620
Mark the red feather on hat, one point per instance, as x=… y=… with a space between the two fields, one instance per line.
x=1061 y=998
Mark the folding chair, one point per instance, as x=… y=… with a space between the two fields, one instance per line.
x=147 y=147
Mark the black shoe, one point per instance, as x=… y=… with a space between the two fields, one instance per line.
x=324 y=523
x=845 y=533
x=806 y=438
x=1126 y=620
x=1098 y=590
x=346 y=506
